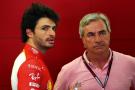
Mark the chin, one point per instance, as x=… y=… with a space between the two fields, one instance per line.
x=100 y=51
x=50 y=46
x=47 y=46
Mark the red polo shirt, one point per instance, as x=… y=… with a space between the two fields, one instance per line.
x=29 y=71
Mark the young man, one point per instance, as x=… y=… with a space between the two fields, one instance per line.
x=38 y=33
x=99 y=68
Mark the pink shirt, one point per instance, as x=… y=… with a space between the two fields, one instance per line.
x=122 y=74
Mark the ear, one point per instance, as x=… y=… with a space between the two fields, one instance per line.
x=29 y=33
x=84 y=43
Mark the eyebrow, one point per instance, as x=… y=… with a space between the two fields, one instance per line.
x=49 y=26
x=98 y=31
x=102 y=30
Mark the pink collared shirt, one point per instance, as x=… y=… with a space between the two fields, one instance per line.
x=122 y=74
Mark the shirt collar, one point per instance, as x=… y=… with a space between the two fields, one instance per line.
x=32 y=52
x=90 y=63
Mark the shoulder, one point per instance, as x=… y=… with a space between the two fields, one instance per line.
x=70 y=68
x=20 y=59
x=121 y=55
x=73 y=64
x=124 y=57
x=18 y=62
x=65 y=74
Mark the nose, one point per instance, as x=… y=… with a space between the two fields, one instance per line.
x=97 y=38
x=51 y=32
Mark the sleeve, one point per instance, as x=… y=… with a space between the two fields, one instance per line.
x=29 y=77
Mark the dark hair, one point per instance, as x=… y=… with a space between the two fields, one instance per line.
x=33 y=14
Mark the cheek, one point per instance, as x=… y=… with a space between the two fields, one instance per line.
x=107 y=40
x=87 y=43
x=41 y=37
x=84 y=43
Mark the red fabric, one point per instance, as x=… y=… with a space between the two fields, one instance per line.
x=33 y=74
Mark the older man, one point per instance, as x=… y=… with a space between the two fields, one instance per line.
x=99 y=68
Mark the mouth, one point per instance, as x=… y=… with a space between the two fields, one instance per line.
x=51 y=40
x=99 y=46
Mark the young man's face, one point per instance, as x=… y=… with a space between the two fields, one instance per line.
x=96 y=37
x=44 y=33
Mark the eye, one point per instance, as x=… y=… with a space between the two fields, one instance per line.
x=45 y=28
x=90 y=34
x=103 y=32
x=54 y=28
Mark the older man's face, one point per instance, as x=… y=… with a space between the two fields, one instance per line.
x=96 y=38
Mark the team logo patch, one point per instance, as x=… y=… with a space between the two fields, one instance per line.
x=49 y=85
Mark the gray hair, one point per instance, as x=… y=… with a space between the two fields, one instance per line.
x=93 y=17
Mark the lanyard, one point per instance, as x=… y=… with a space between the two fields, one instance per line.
x=103 y=85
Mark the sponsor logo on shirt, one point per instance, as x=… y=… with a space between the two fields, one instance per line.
x=34 y=67
x=32 y=89
x=34 y=51
x=34 y=76
x=33 y=84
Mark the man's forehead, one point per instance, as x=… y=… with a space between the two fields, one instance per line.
x=47 y=24
x=96 y=31
x=46 y=21
x=87 y=29
x=95 y=26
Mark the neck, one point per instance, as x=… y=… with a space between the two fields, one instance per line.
x=35 y=46
x=99 y=60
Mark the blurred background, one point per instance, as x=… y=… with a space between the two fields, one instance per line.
x=68 y=44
